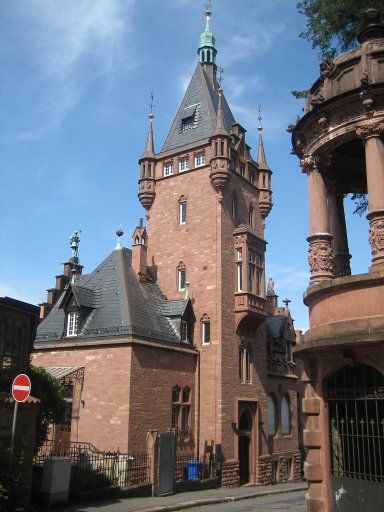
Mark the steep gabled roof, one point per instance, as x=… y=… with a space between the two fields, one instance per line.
x=200 y=100
x=121 y=305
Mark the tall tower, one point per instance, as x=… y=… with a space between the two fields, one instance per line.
x=205 y=226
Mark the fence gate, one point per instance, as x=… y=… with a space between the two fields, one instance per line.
x=355 y=398
x=166 y=463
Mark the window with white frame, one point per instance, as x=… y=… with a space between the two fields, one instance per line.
x=181 y=278
x=73 y=323
x=168 y=169
x=285 y=415
x=239 y=277
x=205 y=331
x=239 y=254
x=251 y=271
x=271 y=416
x=183 y=212
x=200 y=159
x=184 y=331
x=184 y=164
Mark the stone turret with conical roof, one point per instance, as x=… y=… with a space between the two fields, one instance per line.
x=147 y=169
x=265 y=173
x=220 y=150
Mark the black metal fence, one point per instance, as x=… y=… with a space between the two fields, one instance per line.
x=92 y=468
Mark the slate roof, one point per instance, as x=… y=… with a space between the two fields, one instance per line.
x=116 y=304
x=275 y=326
x=202 y=100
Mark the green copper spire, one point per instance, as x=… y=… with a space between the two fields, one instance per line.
x=207 y=50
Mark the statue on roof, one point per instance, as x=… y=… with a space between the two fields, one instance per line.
x=271 y=287
x=74 y=243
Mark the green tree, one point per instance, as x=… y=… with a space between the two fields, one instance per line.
x=332 y=25
x=52 y=404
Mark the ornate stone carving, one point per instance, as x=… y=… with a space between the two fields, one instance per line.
x=326 y=67
x=364 y=80
x=307 y=163
x=320 y=256
x=317 y=99
x=376 y=235
x=370 y=130
x=324 y=123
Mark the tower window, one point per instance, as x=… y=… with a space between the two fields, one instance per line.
x=241 y=368
x=247 y=365
x=73 y=323
x=182 y=213
x=181 y=277
x=239 y=277
x=184 y=164
x=250 y=216
x=239 y=254
x=168 y=169
x=149 y=171
x=242 y=170
x=234 y=207
x=205 y=332
x=187 y=123
x=200 y=159
x=251 y=175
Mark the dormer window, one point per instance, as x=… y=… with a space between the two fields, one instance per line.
x=187 y=123
x=73 y=323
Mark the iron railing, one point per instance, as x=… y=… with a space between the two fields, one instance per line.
x=355 y=399
x=94 y=468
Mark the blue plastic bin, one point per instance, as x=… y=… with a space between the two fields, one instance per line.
x=194 y=470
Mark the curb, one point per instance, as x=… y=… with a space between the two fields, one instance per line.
x=225 y=499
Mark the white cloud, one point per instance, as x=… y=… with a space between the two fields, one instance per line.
x=242 y=46
x=72 y=43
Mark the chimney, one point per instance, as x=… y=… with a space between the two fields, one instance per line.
x=139 y=251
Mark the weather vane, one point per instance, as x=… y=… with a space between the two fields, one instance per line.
x=259 y=118
x=221 y=72
x=151 y=105
x=208 y=5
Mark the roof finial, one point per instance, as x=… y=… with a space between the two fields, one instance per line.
x=119 y=233
x=220 y=69
x=259 y=118
x=151 y=106
x=208 y=11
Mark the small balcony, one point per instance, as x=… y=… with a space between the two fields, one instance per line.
x=251 y=306
x=345 y=312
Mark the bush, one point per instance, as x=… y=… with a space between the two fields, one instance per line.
x=11 y=481
x=52 y=404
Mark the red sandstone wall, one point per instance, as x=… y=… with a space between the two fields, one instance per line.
x=154 y=373
x=104 y=418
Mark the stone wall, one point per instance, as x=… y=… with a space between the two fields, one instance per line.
x=288 y=468
x=230 y=473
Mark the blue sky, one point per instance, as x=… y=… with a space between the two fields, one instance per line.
x=74 y=94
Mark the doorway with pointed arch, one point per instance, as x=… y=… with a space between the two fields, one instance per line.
x=246 y=441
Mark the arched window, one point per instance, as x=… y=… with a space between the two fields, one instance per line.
x=271 y=416
x=208 y=55
x=285 y=417
x=181 y=276
x=234 y=207
x=182 y=210
x=250 y=216
x=205 y=330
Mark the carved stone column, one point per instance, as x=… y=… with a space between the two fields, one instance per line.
x=374 y=160
x=339 y=232
x=320 y=253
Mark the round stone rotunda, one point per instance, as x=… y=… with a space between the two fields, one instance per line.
x=340 y=144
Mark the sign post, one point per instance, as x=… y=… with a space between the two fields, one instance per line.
x=21 y=389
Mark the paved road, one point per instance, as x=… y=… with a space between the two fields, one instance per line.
x=288 y=502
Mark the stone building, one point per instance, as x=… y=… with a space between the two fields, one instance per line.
x=183 y=325
x=339 y=141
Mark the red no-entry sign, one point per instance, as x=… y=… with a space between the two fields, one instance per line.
x=21 y=387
